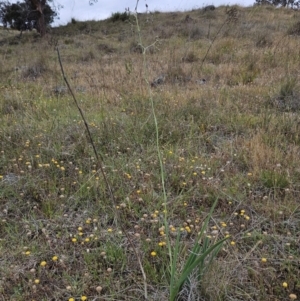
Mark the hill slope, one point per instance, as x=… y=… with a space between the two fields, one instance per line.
x=224 y=85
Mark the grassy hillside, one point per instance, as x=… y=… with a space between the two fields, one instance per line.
x=233 y=138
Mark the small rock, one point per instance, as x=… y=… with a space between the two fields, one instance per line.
x=201 y=81
x=10 y=179
x=59 y=90
x=158 y=81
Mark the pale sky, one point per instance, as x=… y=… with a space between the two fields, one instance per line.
x=81 y=10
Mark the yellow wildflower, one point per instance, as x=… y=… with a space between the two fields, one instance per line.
x=43 y=263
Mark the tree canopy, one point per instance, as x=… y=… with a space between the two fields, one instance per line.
x=284 y=3
x=27 y=14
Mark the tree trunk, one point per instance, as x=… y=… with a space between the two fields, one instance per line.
x=41 y=27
